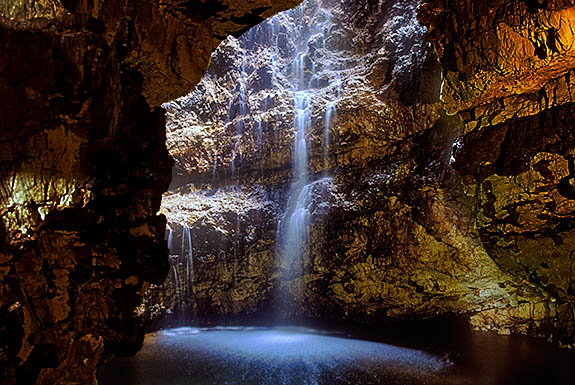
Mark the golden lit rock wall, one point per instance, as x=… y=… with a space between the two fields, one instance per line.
x=491 y=51
x=508 y=73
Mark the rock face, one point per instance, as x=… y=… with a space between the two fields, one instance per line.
x=84 y=165
x=232 y=245
x=512 y=88
x=445 y=193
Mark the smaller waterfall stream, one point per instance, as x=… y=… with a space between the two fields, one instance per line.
x=188 y=257
x=182 y=267
x=170 y=239
x=329 y=117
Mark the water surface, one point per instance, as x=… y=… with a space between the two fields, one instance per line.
x=304 y=356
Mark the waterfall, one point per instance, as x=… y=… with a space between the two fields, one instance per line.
x=170 y=239
x=329 y=117
x=302 y=122
x=242 y=113
x=259 y=131
x=296 y=85
x=214 y=167
x=294 y=226
x=188 y=256
x=183 y=269
x=178 y=289
x=185 y=230
x=243 y=95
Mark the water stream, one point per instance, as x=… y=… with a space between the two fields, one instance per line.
x=305 y=74
x=294 y=225
x=182 y=268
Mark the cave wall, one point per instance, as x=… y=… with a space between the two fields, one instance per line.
x=83 y=166
x=487 y=235
x=450 y=157
x=511 y=85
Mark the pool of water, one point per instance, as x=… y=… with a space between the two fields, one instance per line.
x=190 y=356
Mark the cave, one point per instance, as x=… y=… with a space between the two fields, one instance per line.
x=287 y=192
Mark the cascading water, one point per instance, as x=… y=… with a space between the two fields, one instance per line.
x=294 y=226
x=329 y=121
x=170 y=238
x=284 y=75
x=182 y=267
x=188 y=257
